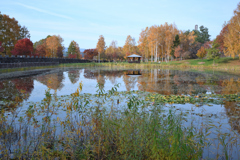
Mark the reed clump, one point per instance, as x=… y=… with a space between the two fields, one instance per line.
x=107 y=125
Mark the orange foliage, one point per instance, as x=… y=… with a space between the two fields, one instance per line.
x=201 y=52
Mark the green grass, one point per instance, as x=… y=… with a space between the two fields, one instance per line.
x=223 y=64
x=4 y=70
x=206 y=62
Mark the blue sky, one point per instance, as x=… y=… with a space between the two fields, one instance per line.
x=84 y=20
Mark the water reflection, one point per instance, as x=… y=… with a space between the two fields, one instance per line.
x=233 y=112
x=164 y=82
x=53 y=81
x=130 y=78
x=16 y=90
x=74 y=75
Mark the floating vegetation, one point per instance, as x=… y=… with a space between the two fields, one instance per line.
x=121 y=125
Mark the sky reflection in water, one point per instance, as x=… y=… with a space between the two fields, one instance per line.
x=164 y=82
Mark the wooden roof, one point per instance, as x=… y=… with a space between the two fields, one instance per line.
x=134 y=55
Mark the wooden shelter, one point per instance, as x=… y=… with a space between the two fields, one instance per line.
x=134 y=58
x=133 y=73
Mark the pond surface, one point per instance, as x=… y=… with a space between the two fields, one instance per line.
x=166 y=82
x=225 y=116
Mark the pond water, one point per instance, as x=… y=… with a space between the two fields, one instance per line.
x=166 y=82
x=224 y=116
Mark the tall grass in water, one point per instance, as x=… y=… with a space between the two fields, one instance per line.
x=77 y=129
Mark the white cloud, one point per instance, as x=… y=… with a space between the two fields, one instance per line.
x=44 y=11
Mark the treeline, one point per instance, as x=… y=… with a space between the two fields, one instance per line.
x=15 y=40
x=10 y=32
x=165 y=42
x=156 y=43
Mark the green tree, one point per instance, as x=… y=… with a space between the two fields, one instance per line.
x=213 y=52
x=176 y=42
x=202 y=35
x=74 y=49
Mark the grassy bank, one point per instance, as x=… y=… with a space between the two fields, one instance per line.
x=223 y=64
x=112 y=125
x=26 y=68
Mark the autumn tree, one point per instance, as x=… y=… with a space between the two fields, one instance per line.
x=201 y=52
x=9 y=33
x=231 y=38
x=59 y=52
x=143 y=44
x=120 y=53
x=187 y=40
x=40 y=50
x=220 y=38
x=52 y=44
x=40 y=47
x=153 y=36
x=111 y=51
x=157 y=41
x=170 y=33
x=101 y=45
x=74 y=50
x=90 y=53
x=129 y=46
x=40 y=42
x=23 y=47
x=178 y=52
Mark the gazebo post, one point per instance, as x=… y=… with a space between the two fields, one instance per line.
x=134 y=58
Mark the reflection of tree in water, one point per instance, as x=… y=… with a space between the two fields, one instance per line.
x=52 y=81
x=230 y=86
x=102 y=75
x=17 y=89
x=232 y=111
x=129 y=82
x=74 y=76
x=169 y=82
x=101 y=81
x=90 y=74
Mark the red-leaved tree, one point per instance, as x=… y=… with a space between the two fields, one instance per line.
x=90 y=53
x=178 y=52
x=220 y=37
x=23 y=47
x=72 y=56
x=59 y=52
x=40 y=50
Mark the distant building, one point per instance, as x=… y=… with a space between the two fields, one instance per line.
x=196 y=27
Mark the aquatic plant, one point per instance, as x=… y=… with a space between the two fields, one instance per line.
x=115 y=125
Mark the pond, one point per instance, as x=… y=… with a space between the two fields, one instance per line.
x=190 y=95
x=166 y=82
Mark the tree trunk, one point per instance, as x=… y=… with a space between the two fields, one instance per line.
x=151 y=54
x=155 y=57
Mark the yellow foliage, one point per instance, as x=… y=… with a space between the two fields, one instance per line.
x=232 y=37
x=201 y=52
